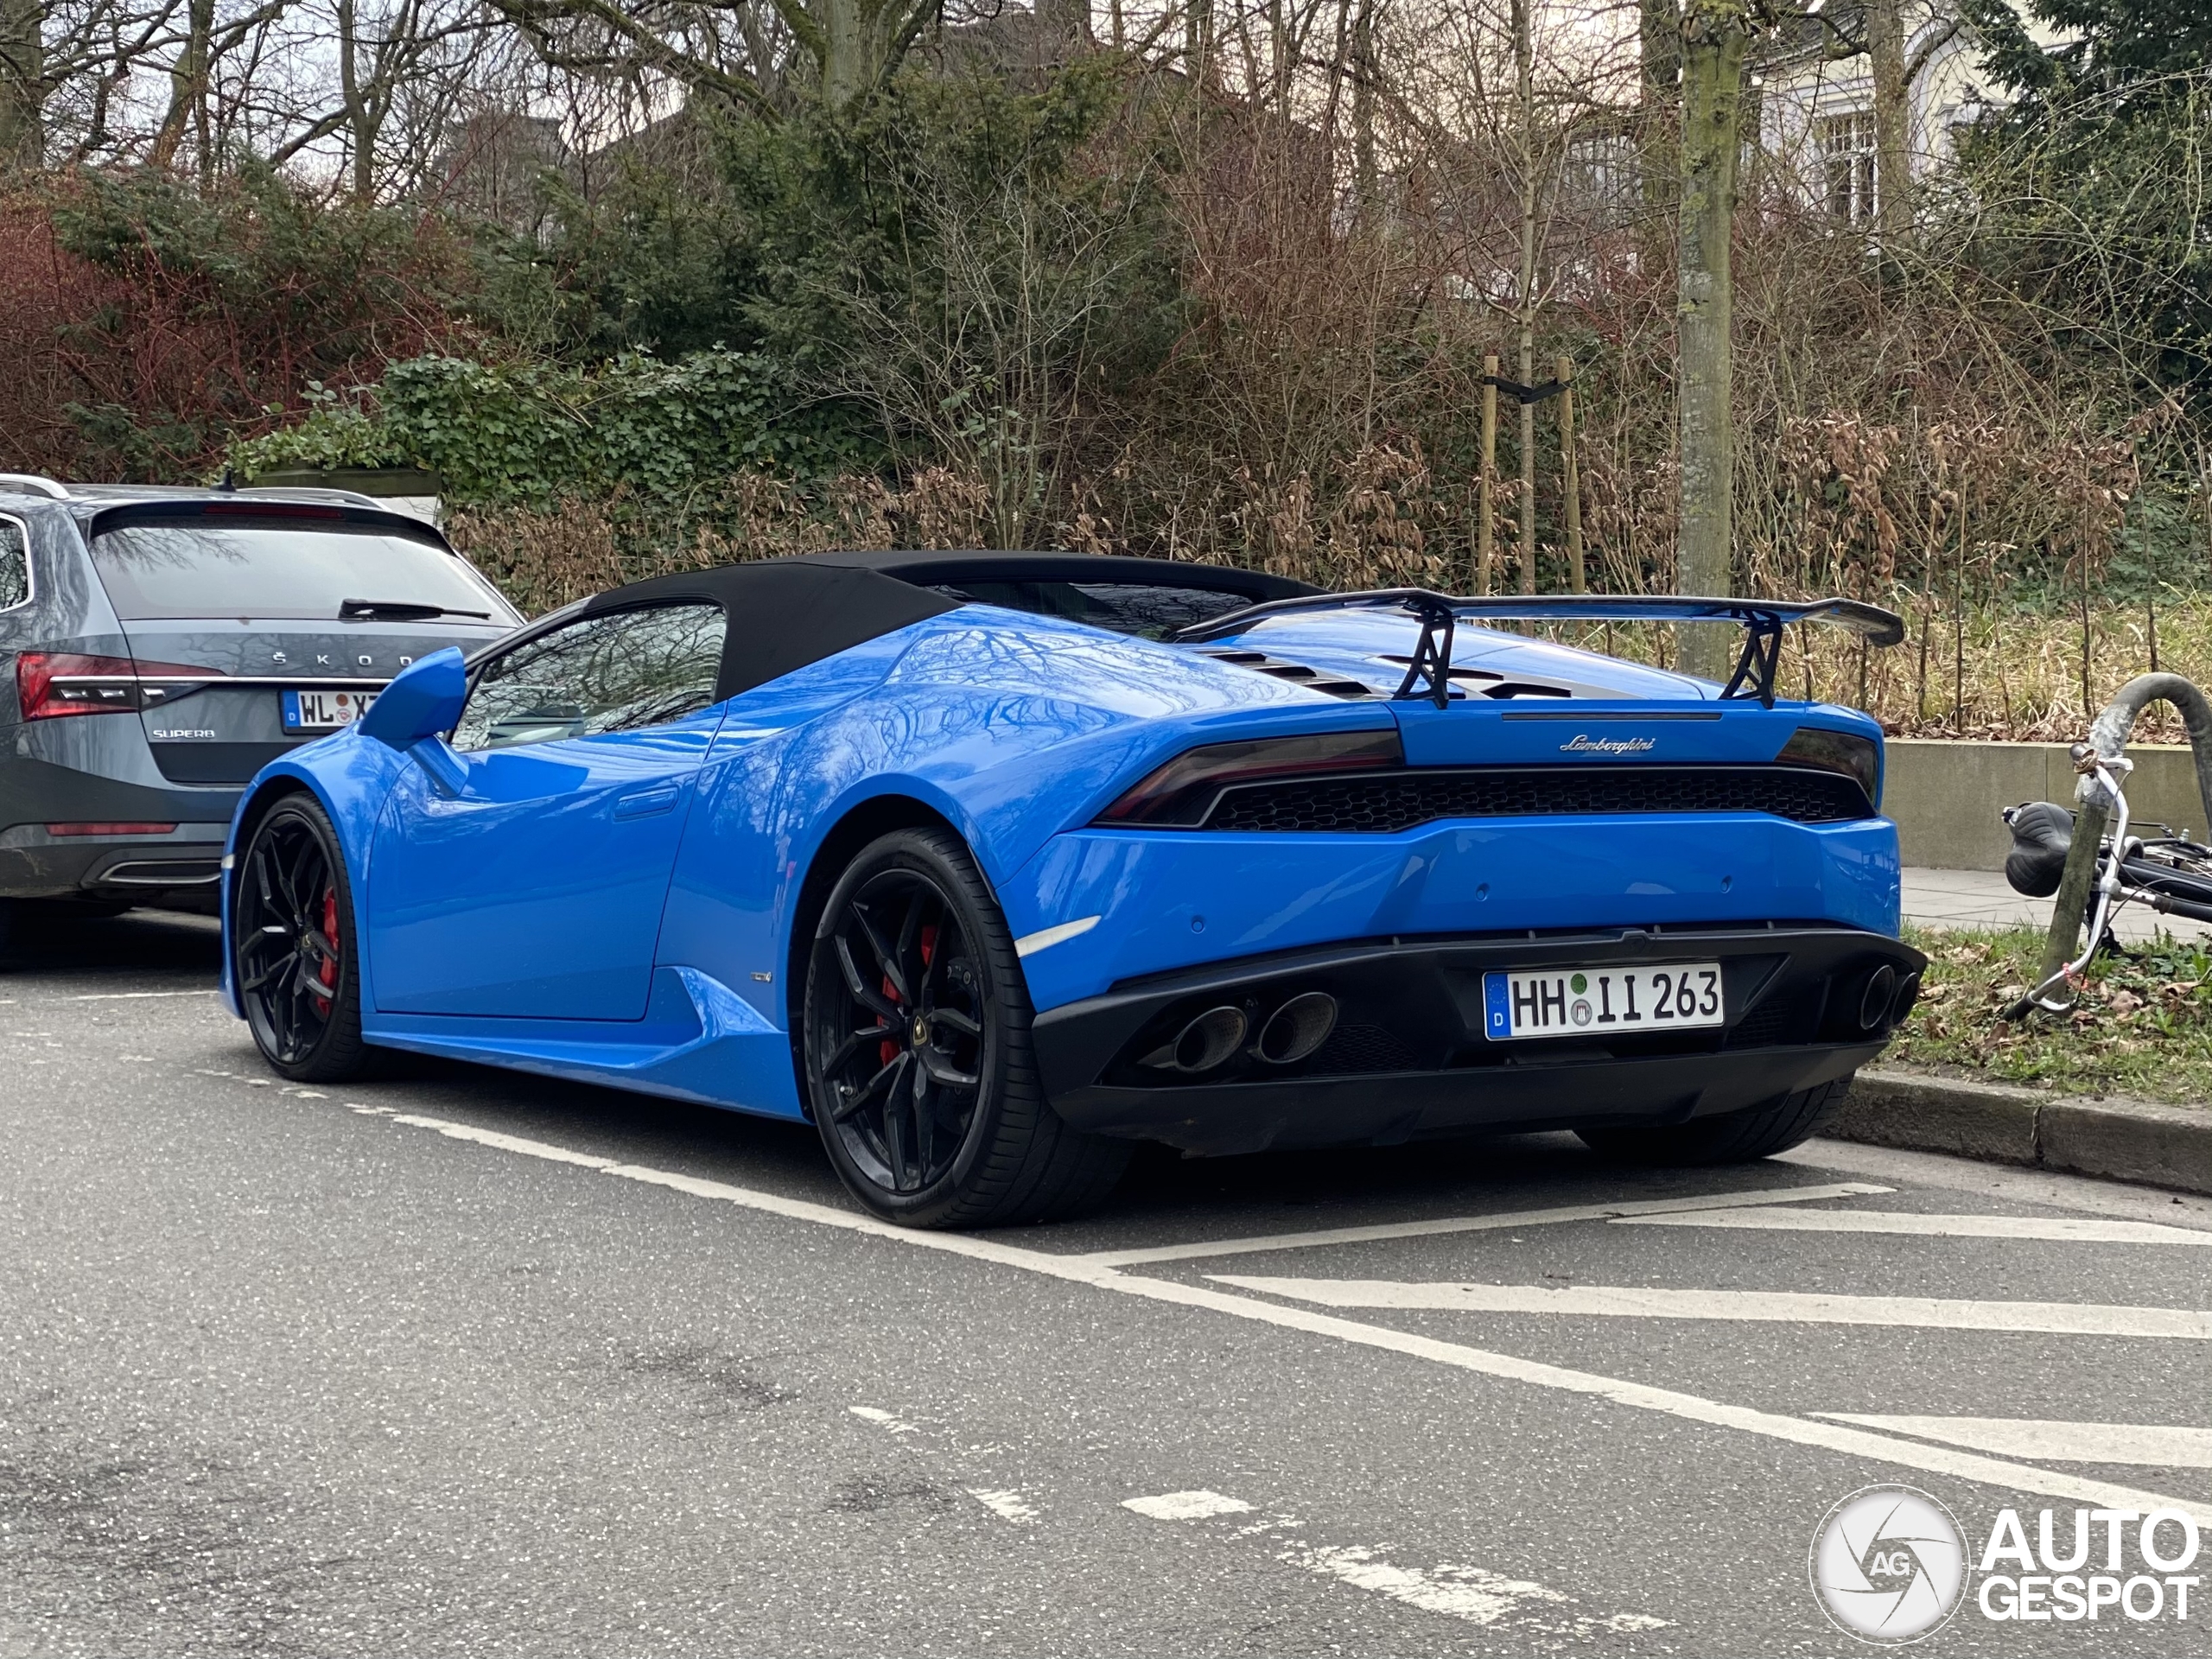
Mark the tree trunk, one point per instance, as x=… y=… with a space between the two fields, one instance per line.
x=1659 y=60
x=1715 y=33
x=1525 y=92
x=360 y=127
x=1892 y=120
x=189 y=73
x=23 y=83
x=1366 y=176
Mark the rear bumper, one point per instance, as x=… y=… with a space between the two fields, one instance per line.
x=36 y=863
x=1408 y=1057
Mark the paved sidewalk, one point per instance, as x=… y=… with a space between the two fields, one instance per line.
x=1980 y=899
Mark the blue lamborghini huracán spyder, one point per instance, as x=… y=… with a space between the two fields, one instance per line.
x=993 y=865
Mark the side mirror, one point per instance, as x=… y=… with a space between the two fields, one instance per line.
x=424 y=699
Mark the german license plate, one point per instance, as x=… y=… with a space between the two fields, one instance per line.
x=324 y=711
x=1602 y=1001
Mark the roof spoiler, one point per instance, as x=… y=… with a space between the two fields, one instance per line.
x=1430 y=676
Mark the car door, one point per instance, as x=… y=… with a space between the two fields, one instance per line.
x=519 y=870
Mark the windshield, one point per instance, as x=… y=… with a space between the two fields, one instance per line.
x=283 y=569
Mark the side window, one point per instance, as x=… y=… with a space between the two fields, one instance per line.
x=604 y=674
x=15 y=565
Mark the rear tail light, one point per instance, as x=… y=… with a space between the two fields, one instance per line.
x=109 y=829
x=1183 y=792
x=1855 y=757
x=50 y=683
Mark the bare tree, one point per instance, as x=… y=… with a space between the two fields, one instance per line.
x=1716 y=34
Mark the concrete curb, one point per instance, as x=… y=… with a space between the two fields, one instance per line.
x=2119 y=1140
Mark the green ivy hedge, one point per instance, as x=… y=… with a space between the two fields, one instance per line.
x=534 y=431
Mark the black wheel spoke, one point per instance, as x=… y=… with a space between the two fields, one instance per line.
x=958 y=1021
x=864 y=993
x=938 y=1066
x=925 y=1135
x=853 y=1044
x=884 y=957
x=873 y=1086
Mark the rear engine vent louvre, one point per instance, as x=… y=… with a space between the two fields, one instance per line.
x=1260 y=663
x=1382 y=803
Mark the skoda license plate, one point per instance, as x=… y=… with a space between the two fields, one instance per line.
x=1602 y=1001
x=324 y=711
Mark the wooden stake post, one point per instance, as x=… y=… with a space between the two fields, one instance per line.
x=1485 y=512
x=1570 y=478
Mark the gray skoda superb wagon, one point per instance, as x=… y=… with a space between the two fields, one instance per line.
x=158 y=646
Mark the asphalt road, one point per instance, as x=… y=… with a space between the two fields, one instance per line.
x=462 y=1362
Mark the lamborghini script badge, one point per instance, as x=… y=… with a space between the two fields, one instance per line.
x=1582 y=744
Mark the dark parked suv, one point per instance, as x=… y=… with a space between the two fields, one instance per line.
x=158 y=646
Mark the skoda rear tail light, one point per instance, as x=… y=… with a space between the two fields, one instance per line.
x=51 y=683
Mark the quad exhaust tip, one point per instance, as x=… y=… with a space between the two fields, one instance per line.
x=1907 y=994
x=1204 y=1043
x=1297 y=1028
x=1874 y=1002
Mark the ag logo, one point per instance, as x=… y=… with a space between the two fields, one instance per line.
x=1889 y=1565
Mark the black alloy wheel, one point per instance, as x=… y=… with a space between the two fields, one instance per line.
x=908 y=1074
x=292 y=952
x=916 y=1057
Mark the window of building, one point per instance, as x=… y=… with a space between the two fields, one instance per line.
x=1846 y=144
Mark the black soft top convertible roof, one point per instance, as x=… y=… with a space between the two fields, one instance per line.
x=789 y=612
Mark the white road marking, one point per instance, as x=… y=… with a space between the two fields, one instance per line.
x=133 y=996
x=1007 y=1505
x=1471 y=1224
x=1690 y=1408
x=1468 y=1593
x=2156 y=1445
x=1997 y=1183
x=1473 y=1593
x=1186 y=1506
x=1045 y=937
x=1788 y=1306
x=881 y=1418
x=2071 y=1230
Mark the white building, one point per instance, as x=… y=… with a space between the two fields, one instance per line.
x=1816 y=109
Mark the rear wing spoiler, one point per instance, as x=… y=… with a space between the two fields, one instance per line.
x=1430 y=675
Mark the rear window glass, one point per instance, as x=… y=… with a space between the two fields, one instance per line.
x=1147 y=609
x=284 y=569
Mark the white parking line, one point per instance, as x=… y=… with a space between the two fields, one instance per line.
x=1625 y=1207
x=1799 y=1307
x=2059 y=1228
x=1186 y=1506
x=1457 y=1591
x=881 y=1418
x=1849 y=1441
x=1007 y=1505
x=1472 y=1593
x=131 y=996
x=2153 y=1445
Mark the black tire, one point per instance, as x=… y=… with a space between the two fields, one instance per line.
x=300 y=987
x=1736 y=1138
x=916 y=1058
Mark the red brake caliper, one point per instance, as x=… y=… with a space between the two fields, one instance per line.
x=327 y=976
x=888 y=1049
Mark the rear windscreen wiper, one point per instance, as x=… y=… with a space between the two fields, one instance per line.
x=399 y=610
